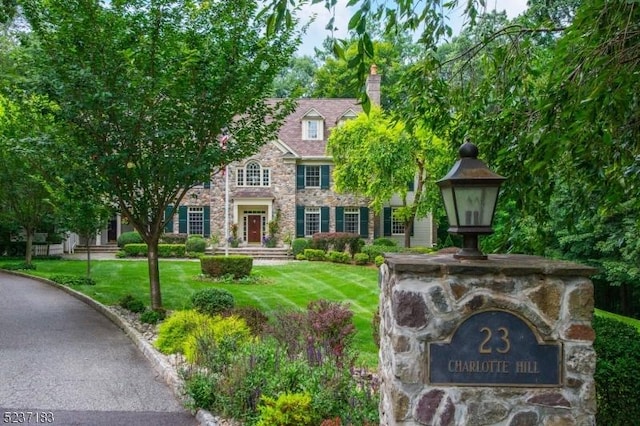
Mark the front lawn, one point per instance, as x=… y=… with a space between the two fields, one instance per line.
x=292 y=285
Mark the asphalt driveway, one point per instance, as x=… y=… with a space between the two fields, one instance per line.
x=62 y=360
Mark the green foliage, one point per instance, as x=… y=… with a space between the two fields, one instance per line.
x=314 y=254
x=151 y=317
x=290 y=409
x=337 y=241
x=218 y=266
x=219 y=329
x=72 y=280
x=176 y=329
x=374 y=251
x=301 y=256
x=164 y=250
x=18 y=266
x=131 y=303
x=379 y=260
x=420 y=250
x=385 y=242
x=255 y=319
x=196 y=244
x=212 y=301
x=361 y=258
x=338 y=257
x=299 y=245
x=174 y=238
x=617 y=346
x=131 y=237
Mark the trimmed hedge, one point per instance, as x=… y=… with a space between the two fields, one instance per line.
x=174 y=238
x=617 y=347
x=129 y=238
x=338 y=257
x=164 y=250
x=314 y=254
x=196 y=244
x=361 y=258
x=386 y=242
x=374 y=251
x=219 y=266
x=337 y=241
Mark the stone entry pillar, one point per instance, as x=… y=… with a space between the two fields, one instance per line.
x=505 y=341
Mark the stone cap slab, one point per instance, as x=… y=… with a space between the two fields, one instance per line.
x=506 y=264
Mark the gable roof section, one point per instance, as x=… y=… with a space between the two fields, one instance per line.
x=330 y=109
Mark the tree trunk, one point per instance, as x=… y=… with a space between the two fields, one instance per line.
x=88 y=260
x=29 y=250
x=408 y=227
x=154 y=276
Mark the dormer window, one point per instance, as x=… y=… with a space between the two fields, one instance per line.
x=349 y=115
x=312 y=126
x=253 y=174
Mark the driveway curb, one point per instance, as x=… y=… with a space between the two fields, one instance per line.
x=160 y=365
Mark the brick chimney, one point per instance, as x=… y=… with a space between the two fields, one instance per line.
x=373 y=85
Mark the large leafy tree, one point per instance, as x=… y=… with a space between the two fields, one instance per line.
x=378 y=158
x=146 y=87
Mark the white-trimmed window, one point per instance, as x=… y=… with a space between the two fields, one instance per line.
x=253 y=174
x=312 y=177
x=352 y=220
x=195 y=221
x=311 y=221
x=397 y=226
x=312 y=129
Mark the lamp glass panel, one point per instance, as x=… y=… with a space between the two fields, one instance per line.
x=475 y=205
x=449 y=205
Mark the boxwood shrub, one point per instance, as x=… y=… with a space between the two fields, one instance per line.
x=314 y=254
x=212 y=301
x=361 y=258
x=338 y=257
x=174 y=238
x=164 y=250
x=617 y=347
x=195 y=244
x=299 y=245
x=219 y=266
x=129 y=238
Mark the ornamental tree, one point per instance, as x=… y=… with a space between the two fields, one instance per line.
x=377 y=157
x=146 y=88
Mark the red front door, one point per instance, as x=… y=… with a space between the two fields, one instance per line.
x=255 y=228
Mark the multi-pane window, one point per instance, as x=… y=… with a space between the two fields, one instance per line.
x=312 y=129
x=397 y=226
x=352 y=220
x=311 y=221
x=195 y=220
x=253 y=175
x=312 y=176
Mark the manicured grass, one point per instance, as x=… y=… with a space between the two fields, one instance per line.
x=288 y=286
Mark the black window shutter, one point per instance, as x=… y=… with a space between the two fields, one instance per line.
x=207 y=221
x=299 y=177
x=299 y=221
x=364 y=222
x=339 y=219
x=168 y=227
x=411 y=186
x=207 y=184
x=386 y=218
x=324 y=177
x=182 y=219
x=324 y=219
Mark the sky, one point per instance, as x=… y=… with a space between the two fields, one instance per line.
x=317 y=33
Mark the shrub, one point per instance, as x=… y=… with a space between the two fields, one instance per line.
x=72 y=280
x=212 y=301
x=256 y=320
x=129 y=238
x=174 y=238
x=314 y=254
x=301 y=256
x=196 y=244
x=419 y=250
x=164 y=250
x=132 y=304
x=232 y=330
x=151 y=317
x=331 y=325
x=175 y=330
x=361 y=258
x=338 y=257
x=18 y=266
x=290 y=409
x=385 y=242
x=337 y=241
x=379 y=260
x=299 y=245
x=219 y=266
x=617 y=347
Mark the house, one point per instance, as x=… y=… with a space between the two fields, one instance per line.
x=289 y=180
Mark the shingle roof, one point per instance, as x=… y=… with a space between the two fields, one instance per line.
x=331 y=109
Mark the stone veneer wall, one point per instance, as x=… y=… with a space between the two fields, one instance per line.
x=425 y=298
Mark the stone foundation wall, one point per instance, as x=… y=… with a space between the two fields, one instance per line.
x=425 y=299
